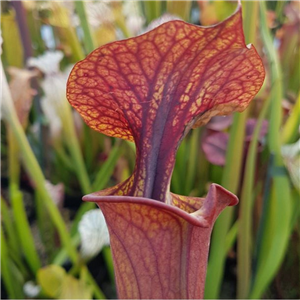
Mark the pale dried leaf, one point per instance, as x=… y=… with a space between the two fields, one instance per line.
x=21 y=91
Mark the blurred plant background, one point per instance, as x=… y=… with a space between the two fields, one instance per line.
x=55 y=246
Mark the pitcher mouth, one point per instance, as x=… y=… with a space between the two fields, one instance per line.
x=217 y=199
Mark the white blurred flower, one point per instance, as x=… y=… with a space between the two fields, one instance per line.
x=135 y=24
x=291 y=157
x=31 y=290
x=47 y=63
x=291 y=150
x=54 y=87
x=99 y=13
x=54 y=103
x=55 y=124
x=131 y=8
x=93 y=233
x=134 y=17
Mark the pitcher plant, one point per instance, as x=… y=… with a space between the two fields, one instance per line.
x=151 y=90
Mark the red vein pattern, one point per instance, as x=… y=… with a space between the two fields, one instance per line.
x=160 y=251
x=152 y=89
